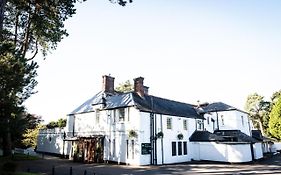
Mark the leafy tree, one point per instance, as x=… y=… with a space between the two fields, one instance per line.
x=127 y=86
x=27 y=27
x=17 y=80
x=54 y=124
x=30 y=136
x=259 y=110
x=121 y=2
x=61 y=123
x=275 y=120
x=275 y=97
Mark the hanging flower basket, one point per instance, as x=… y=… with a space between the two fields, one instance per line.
x=133 y=134
x=160 y=134
x=180 y=136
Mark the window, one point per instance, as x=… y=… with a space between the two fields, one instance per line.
x=208 y=120
x=242 y=119
x=133 y=149
x=121 y=114
x=114 y=116
x=185 y=148
x=179 y=148
x=97 y=116
x=128 y=114
x=200 y=125
x=185 y=124
x=169 y=123
x=174 y=148
x=222 y=120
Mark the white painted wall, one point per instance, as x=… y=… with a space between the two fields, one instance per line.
x=228 y=120
x=170 y=135
x=258 y=152
x=118 y=132
x=51 y=141
x=276 y=146
x=222 y=152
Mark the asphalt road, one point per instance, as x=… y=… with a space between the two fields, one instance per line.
x=266 y=166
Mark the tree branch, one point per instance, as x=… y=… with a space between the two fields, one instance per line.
x=26 y=37
x=16 y=28
x=35 y=53
x=2 y=9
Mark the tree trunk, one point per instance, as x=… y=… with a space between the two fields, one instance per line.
x=7 y=140
x=2 y=9
x=261 y=127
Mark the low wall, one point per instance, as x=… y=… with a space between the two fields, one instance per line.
x=221 y=152
x=277 y=146
x=258 y=152
x=51 y=141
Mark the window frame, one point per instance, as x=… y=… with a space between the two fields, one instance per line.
x=174 y=148
x=180 y=149
x=184 y=148
x=121 y=114
x=97 y=116
x=169 y=122
x=185 y=127
x=222 y=120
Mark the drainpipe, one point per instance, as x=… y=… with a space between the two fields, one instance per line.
x=155 y=141
x=162 y=150
x=152 y=138
x=217 y=119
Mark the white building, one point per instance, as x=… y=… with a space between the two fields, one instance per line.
x=140 y=129
x=132 y=128
x=227 y=135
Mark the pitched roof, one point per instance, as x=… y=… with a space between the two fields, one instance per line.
x=216 y=107
x=204 y=136
x=148 y=103
x=236 y=136
x=227 y=136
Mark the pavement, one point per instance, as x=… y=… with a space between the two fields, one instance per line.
x=55 y=166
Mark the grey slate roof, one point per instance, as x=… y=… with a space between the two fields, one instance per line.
x=229 y=136
x=148 y=103
x=205 y=136
x=235 y=135
x=218 y=106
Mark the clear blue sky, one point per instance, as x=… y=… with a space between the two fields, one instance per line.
x=187 y=50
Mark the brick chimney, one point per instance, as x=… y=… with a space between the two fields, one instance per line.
x=139 y=88
x=108 y=84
